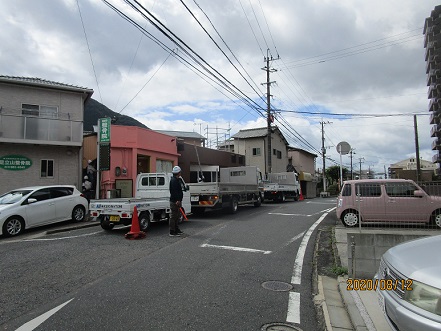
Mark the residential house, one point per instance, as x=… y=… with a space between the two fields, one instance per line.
x=303 y=162
x=407 y=169
x=41 y=132
x=253 y=143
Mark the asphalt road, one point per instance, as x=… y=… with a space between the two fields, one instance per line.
x=229 y=272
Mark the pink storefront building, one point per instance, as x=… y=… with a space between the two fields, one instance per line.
x=132 y=150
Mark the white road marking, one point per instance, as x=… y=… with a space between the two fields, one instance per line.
x=31 y=325
x=233 y=248
x=293 y=314
x=63 y=238
x=298 y=264
x=284 y=214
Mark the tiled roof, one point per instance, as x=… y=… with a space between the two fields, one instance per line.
x=257 y=133
x=35 y=81
x=251 y=133
x=182 y=134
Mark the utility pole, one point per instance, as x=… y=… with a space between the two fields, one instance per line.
x=360 y=159
x=352 y=152
x=270 y=117
x=417 y=149
x=324 y=155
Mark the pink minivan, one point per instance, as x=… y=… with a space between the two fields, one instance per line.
x=387 y=200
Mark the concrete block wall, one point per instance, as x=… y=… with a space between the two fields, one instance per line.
x=368 y=248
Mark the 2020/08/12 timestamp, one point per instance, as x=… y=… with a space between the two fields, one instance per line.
x=378 y=284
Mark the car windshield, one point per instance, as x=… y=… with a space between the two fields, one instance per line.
x=13 y=196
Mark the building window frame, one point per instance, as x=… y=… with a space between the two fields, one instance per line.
x=47 y=168
x=256 y=151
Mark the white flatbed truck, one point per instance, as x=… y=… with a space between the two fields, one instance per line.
x=281 y=186
x=151 y=200
x=236 y=186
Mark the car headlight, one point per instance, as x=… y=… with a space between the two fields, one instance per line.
x=425 y=297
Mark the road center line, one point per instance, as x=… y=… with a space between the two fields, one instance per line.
x=233 y=248
x=31 y=325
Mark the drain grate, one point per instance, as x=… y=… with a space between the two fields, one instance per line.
x=279 y=327
x=277 y=286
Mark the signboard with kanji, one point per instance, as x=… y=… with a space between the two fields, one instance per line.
x=104 y=157
x=104 y=130
x=15 y=162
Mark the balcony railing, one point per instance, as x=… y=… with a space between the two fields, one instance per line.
x=31 y=129
x=436 y=144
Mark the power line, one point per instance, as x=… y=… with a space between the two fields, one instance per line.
x=90 y=53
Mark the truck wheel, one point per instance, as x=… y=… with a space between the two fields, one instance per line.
x=258 y=202
x=233 y=206
x=106 y=224
x=282 y=197
x=144 y=221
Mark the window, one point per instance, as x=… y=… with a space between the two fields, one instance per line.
x=41 y=195
x=256 y=151
x=274 y=151
x=39 y=111
x=58 y=192
x=346 y=191
x=279 y=154
x=400 y=189
x=238 y=173
x=47 y=168
x=368 y=190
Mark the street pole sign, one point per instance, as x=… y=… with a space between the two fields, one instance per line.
x=104 y=130
x=103 y=150
x=343 y=148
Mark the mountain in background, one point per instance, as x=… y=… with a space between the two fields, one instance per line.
x=93 y=110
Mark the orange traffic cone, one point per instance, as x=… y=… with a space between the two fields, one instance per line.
x=183 y=213
x=301 y=198
x=135 y=232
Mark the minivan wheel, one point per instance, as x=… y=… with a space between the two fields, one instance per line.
x=350 y=218
x=436 y=218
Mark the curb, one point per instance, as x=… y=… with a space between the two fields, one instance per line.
x=87 y=224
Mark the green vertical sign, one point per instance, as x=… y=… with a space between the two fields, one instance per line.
x=104 y=130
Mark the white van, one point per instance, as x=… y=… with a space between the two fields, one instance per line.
x=386 y=200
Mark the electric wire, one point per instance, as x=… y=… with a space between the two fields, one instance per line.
x=90 y=53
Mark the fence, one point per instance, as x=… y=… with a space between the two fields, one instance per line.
x=390 y=204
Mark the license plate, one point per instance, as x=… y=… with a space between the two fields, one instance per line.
x=194 y=198
x=114 y=218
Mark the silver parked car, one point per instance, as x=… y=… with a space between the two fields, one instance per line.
x=40 y=205
x=408 y=285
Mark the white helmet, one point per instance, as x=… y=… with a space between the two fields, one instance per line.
x=176 y=170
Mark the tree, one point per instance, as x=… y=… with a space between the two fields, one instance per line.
x=333 y=174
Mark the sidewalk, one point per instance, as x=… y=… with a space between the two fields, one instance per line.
x=348 y=310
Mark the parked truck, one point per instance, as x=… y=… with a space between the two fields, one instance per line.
x=151 y=200
x=281 y=186
x=233 y=187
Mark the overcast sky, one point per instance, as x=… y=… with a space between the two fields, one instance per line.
x=336 y=62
